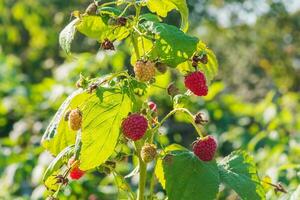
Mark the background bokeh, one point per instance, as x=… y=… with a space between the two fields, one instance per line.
x=253 y=104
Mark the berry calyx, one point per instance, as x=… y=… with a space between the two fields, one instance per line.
x=161 y=67
x=199 y=118
x=75 y=119
x=199 y=58
x=204 y=59
x=121 y=21
x=107 y=45
x=134 y=126
x=144 y=70
x=82 y=82
x=75 y=172
x=205 y=148
x=172 y=89
x=196 y=83
x=148 y=152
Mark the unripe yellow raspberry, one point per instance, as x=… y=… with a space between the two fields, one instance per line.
x=148 y=152
x=75 y=119
x=144 y=70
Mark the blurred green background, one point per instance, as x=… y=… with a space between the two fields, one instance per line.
x=253 y=104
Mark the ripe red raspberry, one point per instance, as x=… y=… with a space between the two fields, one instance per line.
x=144 y=70
x=205 y=148
x=134 y=126
x=196 y=82
x=75 y=172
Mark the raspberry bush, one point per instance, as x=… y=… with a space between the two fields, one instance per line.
x=110 y=119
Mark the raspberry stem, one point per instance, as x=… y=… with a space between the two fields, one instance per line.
x=185 y=111
x=65 y=174
x=142 y=180
x=143 y=172
x=134 y=39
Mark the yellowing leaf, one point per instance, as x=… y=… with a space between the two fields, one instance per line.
x=50 y=182
x=144 y=46
x=101 y=127
x=161 y=80
x=91 y=26
x=58 y=135
x=162 y=7
x=265 y=182
x=159 y=173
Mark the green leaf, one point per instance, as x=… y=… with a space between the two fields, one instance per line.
x=144 y=45
x=58 y=135
x=92 y=26
x=101 y=127
x=96 y=28
x=150 y=17
x=159 y=171
x=172 y=46
x=188 y=177
x=111 y=11
x=58 y=162
x=238 y=171
x=66 y=36
x=162 y=7
x=51 y=183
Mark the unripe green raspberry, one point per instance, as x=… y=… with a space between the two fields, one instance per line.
x=144 y=70
x=148 y=152
x=75 y=119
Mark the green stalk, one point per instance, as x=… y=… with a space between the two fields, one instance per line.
x=142 y=180
x=135 y=46
x=142 y=165
x=133 y=38
x=181 y=110
x=143 y=171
